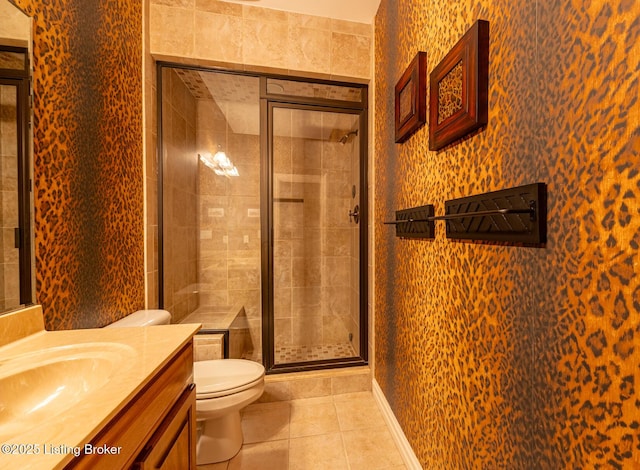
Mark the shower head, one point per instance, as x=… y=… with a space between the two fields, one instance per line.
x=347 y=137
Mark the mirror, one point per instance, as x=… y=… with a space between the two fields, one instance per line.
x=16 y=283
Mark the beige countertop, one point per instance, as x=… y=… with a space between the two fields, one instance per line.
x=140 y=353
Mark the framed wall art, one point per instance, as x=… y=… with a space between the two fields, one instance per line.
x=411 y=98
x=459 y=88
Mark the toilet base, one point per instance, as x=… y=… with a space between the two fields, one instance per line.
x=219 y=439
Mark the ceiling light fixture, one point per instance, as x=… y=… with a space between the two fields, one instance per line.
x=219 y=163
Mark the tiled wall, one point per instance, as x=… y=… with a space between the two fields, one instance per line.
x=229 y=218
x=234 y=36
x=88 y=174
x=498 y=356
x=9 y=268
x=313 y=255
x=248 y=36
x=180 y=197
x=150 y=166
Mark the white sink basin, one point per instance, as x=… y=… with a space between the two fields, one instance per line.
x=39 y=385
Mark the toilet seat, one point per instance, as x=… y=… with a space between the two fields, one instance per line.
x=222 y=377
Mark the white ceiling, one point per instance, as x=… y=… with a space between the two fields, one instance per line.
x=360 y=11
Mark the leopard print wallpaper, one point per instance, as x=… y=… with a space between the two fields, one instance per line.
x=88 y=180
x=496 y=356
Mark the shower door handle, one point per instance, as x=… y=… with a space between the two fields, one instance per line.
x=355 y=214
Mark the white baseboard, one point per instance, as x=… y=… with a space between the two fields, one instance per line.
x=409 y=457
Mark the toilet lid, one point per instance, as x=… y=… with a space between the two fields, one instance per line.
x=222 y=377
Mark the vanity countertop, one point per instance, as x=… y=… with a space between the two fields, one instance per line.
x=132 y=358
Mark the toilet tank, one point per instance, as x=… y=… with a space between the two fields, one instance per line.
x=144 y=318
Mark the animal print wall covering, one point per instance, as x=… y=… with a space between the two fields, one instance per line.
x=88 y=184
x=506 y=357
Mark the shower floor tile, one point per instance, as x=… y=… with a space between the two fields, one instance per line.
x=289 y=354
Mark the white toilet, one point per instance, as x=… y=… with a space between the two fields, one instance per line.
x=223 y=388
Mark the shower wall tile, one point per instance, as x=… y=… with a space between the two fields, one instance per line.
x=336 y=271
x=213 y=279
x=307 y=246
x=336 y=300
x=265 y=43
x=336 y=329
x=175 y=3
x=306 y=330
x=264 y=14
x=243 y=272
x=305 y=297
x=350 y=27
x=306 y=272
x=306 y=50
x=218 y=36
x=283 y=331
x=282 y=302
x=350 y=54
x=298 y=20
x=260 y=38
x=214 y=297
x=172 y=30
x=223 y=8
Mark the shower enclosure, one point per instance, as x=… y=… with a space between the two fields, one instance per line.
x=264 y=213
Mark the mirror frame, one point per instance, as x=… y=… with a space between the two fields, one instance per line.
x=22 y=80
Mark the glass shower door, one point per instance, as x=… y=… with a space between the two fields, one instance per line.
x=315 y=200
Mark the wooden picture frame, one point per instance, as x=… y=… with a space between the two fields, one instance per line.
x=459 y=89
x=411 y=98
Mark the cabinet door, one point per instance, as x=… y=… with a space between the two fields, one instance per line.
x=173 y=445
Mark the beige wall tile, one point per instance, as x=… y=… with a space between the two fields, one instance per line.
x=310 y=388
x=222 y=8
x=218 y=36
x=307 y=49
x=351 y=383
x=264 y=14
x=350 y=55
x=265 y=43
x=307 y=330
x=309 y=21
x=276 y=391
x=174 y=3
x=171 y=30
x=350 y=27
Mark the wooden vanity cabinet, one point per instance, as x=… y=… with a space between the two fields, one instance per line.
x=172 y=447
x=157 y=429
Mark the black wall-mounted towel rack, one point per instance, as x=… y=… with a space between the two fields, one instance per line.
x=516 y=215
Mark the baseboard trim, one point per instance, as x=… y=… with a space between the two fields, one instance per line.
x=409 y=457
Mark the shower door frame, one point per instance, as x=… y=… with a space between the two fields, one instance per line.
x=269 y=101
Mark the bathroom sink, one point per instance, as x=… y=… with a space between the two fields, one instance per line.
x=43 y=384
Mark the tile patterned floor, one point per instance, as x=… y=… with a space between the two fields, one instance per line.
x=288 y=354
x=339 y=432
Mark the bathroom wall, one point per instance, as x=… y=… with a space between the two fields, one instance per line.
x=180 y=197
x=9 y=268
x=498 y=356
x=229 y=246
x=252 y=39
x=88 y=173
x=247 y=36
x=313 y=238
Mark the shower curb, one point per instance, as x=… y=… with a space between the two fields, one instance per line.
x=408 y=456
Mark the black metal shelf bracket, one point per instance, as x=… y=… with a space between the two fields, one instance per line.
x=515 y=215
